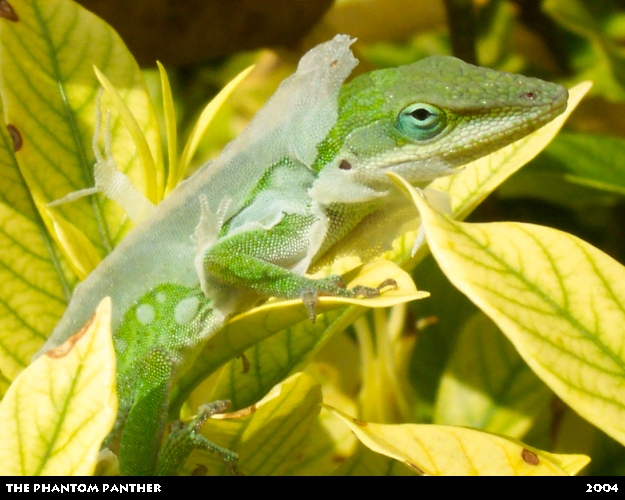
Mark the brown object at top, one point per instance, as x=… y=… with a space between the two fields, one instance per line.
x=183 y=32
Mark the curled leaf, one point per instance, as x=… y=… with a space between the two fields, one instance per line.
x=439 y=450
x=556 y=297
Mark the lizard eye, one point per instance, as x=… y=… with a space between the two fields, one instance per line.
x=421 y=121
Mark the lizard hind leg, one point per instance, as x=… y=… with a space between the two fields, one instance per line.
x=184 y=438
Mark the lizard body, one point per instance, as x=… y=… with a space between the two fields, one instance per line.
x=306 y=173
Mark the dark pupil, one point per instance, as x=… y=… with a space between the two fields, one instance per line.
x=421 y=114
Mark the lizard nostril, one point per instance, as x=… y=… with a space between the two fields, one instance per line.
x=530 y=95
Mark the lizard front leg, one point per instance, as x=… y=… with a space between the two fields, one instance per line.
x=260 y=261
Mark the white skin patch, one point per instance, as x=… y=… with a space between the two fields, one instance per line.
x=186 y=310
x=145 y=314
x=161 y=297
x=121 y=345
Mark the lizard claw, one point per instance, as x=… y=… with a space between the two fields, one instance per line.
x=183 y=438
x=310 y=298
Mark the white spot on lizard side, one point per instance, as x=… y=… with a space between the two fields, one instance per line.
x=186 y=310
x=145 y=314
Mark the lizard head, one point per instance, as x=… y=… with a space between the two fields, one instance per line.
x=425 y=120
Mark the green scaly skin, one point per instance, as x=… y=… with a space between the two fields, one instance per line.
x=420 y=121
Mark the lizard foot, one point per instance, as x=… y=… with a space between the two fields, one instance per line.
x=184 y=438
x=310 y=297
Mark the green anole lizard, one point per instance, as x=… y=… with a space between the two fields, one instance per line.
x=309 y=171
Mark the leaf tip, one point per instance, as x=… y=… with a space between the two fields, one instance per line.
x=66 y=347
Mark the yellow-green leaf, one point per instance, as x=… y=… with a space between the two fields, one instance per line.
x=328 y=444
x=556 y=297
x=385 y=394
x=269 y=436
x=82 y=255
x=271 y=442
x=48 y=88
x=443 y=450
x=32 y=298
x=35 y=282
x=486 y=385
x=57 y=412
x=169 y=116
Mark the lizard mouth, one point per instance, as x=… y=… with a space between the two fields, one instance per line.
x=508 y=136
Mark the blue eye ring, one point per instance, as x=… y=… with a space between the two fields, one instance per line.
x=421 y=121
